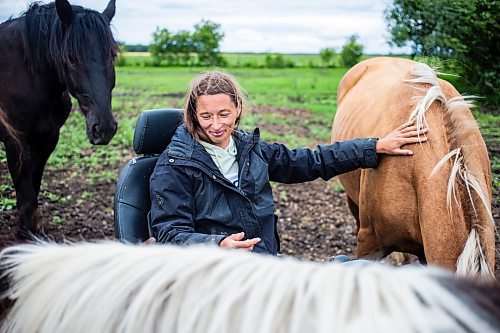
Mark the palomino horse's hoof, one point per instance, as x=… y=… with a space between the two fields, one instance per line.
x=341 y=258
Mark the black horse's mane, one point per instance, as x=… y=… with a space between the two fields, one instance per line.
x=47 y=43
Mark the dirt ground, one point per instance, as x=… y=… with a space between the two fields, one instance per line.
x=314 y=221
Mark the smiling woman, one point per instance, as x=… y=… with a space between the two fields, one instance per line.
x=211 y=184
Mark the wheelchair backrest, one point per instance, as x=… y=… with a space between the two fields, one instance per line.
x=153 y=132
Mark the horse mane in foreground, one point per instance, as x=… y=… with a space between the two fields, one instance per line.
x=112 y=287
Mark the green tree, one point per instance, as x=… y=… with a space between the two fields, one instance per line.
x=136 y=48
x=351 y=51
x=465 y=31
x=182 y=46
x=162 y=49
x=178 y=49
x=275 y=61
x=121 y=60
x=327 y=55
x=206 y=40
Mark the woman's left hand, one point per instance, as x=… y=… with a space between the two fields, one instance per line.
x=403 y=135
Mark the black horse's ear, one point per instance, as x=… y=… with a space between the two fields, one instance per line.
x=64 y=11
x=109 y=12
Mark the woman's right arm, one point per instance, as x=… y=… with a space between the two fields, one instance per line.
x=173 y=206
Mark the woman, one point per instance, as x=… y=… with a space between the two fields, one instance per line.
x=211 y=184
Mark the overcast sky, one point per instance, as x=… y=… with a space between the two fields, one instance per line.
x=284 y=26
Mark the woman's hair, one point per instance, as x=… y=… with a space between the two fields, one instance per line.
x=211 y=83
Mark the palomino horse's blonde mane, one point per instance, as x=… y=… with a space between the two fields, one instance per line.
x=472 y=261
x=112 y=287
x=4 y=122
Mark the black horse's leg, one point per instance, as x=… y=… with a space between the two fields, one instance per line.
x=26 y=167
x=27 y=174
x=20 y=162
x=42 y=152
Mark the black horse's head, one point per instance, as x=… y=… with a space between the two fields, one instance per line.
x=86 y=64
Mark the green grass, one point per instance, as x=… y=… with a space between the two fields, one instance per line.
x=247 y=60
x=259 y=59
x=139 y=88
x=490 y=124
x=142 y=88
x=237 y=59
x=306 y=88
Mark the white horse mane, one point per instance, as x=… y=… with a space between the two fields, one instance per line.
x=472 y=261
x=112 y=287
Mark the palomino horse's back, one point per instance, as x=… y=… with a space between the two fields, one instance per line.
x=407 y=204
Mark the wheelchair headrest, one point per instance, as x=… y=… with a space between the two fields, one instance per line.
x=154 y=130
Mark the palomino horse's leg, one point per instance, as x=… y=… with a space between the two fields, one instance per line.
x=367 y=246
x=354 y=209
x=363 y=251
x=374 y=256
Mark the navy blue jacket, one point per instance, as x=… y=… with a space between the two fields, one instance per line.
x=192 y=202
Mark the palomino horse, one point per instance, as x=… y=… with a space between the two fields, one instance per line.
x=435 y=204
x=49 y=52
x=113 y=287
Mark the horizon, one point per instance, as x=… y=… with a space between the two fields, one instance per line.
x=283 y=26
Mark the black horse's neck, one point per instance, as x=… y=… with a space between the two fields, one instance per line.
x=50 y=45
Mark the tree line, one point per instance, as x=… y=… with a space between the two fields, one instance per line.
x=183 y=48
x=461 y=34
x=202 y=48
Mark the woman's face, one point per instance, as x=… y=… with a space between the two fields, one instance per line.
x=217 y=116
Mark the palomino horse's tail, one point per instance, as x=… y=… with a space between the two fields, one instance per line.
x=7 y=127
x=465 y=188
x=10 y=132
x=113 y=287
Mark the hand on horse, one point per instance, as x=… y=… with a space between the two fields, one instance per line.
x=403 y=135
x=235 y=241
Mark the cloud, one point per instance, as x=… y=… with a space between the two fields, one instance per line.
x=286 y=26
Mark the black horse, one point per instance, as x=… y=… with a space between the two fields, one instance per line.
x=48 y=53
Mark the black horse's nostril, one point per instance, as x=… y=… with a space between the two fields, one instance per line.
x=95 y=130
x=102 y=132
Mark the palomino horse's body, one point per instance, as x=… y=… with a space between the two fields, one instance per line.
x=113 y=287
x=48 y=53
x=433 y=203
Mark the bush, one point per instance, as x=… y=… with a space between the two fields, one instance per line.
x=351 y=51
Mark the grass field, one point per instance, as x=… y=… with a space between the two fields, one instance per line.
x=305 y=88
x=236 y=59
x=139 y=88
x=253 y=60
